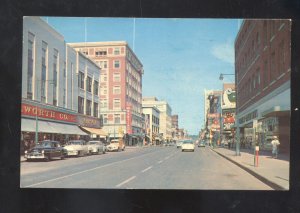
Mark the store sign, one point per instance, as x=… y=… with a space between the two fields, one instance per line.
x=228 y=119
x=87 y=121
x=29 y=110
x=128 y=119
x=213 y=115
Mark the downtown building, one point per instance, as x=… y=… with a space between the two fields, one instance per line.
x=165 y=120
x=121 y=88
x=262 y=69
x=212 y=116
x=55 y=102
x=175 y=127
x=152 y=115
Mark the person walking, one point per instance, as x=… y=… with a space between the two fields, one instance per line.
x=275 y=143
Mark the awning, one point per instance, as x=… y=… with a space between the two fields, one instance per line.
x=29 y=125
x=95 y=131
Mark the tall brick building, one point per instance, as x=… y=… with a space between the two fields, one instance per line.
x=262 y=69
x=121 y=85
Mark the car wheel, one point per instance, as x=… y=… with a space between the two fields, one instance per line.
x=47 y=158
x=78 y=154
x=182 y=150
x=62 y=156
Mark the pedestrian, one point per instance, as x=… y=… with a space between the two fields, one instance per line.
x=275 y=143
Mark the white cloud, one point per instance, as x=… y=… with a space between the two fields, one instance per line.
x=224 y=52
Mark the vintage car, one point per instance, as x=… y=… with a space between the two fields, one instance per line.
x=96 y=147
x=46 y=150
x=188 y=145
x=116 y=145
x=76 y=148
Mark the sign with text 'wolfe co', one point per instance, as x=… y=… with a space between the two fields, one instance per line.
x=29 y=110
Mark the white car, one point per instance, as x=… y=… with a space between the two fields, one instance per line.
x=115 y=146
x=76 y=148
x=188 y=145
x=178 y=144
x=96 y=147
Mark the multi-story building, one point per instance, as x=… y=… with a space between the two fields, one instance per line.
x=53 y=97
x=165 y=121
x=121 y=85
x=212 y=106
x=175 y=127
x=262 y=69
x=152 y=114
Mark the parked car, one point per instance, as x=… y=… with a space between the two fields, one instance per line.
x=46 y=150
x=178 y=144
x=188 y=145
x=96 y=147
x=201 y=143
x=76 y=148
x=116 y=145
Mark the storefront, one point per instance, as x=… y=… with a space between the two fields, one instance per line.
x=92 y=126
x=50 y=123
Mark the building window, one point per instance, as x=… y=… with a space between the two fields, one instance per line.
x=102 y=64
x=117 y=103
x=55 y=64
x=44 y=71
x=81 y=80
x=89 y=84
x=272 y=67
x=96 y=88
x=30 y=65
x=101 y=53
x=95 y=109
x=117 y=51
x=266 y=70
x=117 y=64
x=117 y=119
x=103 y=103
x=88 y=107
x=64 y=85
x=117 y=77
x=116 y=90
x=105 y=118
x=80 y=104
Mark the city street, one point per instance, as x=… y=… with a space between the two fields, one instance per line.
x=141 y=168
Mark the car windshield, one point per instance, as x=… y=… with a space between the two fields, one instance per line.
x=46 y=144
x=75 y=142
x=188 y=142
x=93 y=142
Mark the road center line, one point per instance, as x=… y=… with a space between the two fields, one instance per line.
x=126 y=181
x=146 y=169
x=77 y=173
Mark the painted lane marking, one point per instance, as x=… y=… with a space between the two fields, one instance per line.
x=160 y=161
x=126 y=181
x=150 y=167
x=77 y=173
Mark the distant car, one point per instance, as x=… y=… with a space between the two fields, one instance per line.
x=178 y=144
x=188 y=145
x=96 y=147
x=201 y=144
x=46 y=150
x=115 y=145
x=76 y=148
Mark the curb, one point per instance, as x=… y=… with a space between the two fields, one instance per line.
x=273 y=185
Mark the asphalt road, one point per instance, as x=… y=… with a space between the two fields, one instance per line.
x=141 y=168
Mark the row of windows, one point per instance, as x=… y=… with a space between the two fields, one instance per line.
x=99 y=53
x=88 y=110
x=116 y=77
x=89 y=83
x=155 y=120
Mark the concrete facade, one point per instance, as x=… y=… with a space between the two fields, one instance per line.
x=153 y=115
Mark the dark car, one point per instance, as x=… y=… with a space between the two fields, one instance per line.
x=46 y=150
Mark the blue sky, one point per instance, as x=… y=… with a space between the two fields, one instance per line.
x=181 y=57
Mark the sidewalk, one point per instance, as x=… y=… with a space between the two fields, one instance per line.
x=273 y=172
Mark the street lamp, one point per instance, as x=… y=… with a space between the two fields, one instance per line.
x=221 y=77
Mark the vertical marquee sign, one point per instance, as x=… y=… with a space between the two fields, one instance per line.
x=129 y=119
